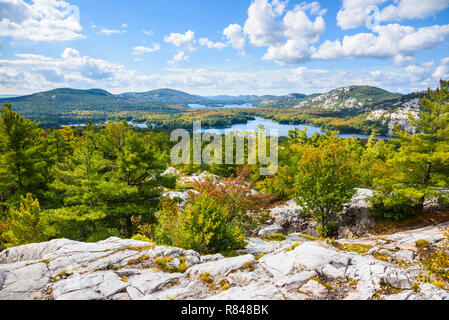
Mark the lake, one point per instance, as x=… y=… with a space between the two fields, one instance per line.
x=280 y=130
x=226 y=106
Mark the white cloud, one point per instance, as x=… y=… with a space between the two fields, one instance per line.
x=28 y=73
x=287 y=33
x=389 y=41
x=177 y=58
x=124 y=25
x=139 y=50
x=211 y=45
x=401 y=60
x=31 y=72
x=261 y=26
x=442 y=71
x=148 y=32
x=41 y=20
x=354 y=13
x=109 y=32
x=186 y=40
x=412 y=9
x=236 y=37
x=291 y=52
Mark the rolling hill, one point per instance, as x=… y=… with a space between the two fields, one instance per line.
x=352 y=97
x=165 y=96
x=64 y=106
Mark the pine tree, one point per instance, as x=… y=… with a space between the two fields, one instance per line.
x=25 y=225
x=80 y=186
x=22 y=161
x=421 y=166
x=136 y=183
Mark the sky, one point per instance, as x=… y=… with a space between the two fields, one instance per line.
x=233 y=47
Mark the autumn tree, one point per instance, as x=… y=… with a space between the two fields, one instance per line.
x=324 y=181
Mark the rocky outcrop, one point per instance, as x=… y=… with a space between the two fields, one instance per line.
x=355 y=220
x=295 y=268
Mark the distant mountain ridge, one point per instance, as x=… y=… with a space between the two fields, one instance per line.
x=165 y=96
x=351 y=97
x=358 y=98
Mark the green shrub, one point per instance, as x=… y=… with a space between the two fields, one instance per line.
x=275 y=237
x=141 y=237
x=391 y=206
x=422 y=243
x=168 y=229
x=206 y=228
x=437 y=265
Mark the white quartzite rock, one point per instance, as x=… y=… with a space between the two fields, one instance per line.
x=222 y=267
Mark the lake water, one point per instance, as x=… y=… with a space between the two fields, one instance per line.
x=272 y=128
x=281 y=130
x=226 y=106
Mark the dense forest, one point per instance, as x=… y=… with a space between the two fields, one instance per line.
x=94 y=182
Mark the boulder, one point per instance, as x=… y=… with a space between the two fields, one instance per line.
x=431 y=292
x=356 y=220
x=211 y=257
x=287 y=216
x=89 y=287
x=267 y=230
x=24 y=281
x=34 y=251
x=150 y=281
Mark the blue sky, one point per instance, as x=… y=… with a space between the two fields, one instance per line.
x=210 y=47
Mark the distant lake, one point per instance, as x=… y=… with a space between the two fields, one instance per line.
x=253 y=125
x=226 y=106
x=283 y=129
x=132 y=124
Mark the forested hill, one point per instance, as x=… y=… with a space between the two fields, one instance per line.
x=66 y=100
x=165 y=96
x=65 y=105
x=69 y=106
x=352 y=97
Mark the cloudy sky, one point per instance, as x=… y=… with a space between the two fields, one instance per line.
x=222 y=47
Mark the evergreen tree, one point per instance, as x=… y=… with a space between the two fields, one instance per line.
x=22 y=161
x=421 y=166
x=25 y=225
x=136 y=182
x=79 y=187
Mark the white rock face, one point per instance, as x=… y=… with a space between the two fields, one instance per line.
x=91 y=287
x=432 y=292
x=171 y=172
x=295 y=268
x=314 y=289
x=257 y=291
x=222 y=267
x=267 y=230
